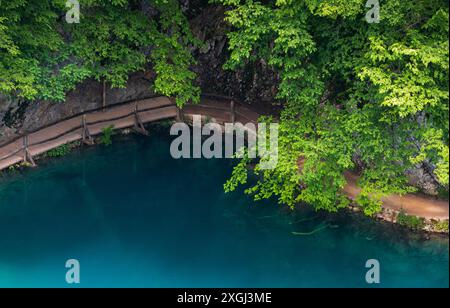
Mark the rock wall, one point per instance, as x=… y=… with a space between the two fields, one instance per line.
x=18 y=116
x=256 y=83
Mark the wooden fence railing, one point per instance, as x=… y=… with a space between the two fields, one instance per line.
x=80 y=122
x=83 y=126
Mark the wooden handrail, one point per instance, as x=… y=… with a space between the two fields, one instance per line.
x=73 y=117
x=232 y=109
x=73 y=128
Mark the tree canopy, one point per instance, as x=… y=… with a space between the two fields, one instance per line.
x=42 y=56
x=354 y=94
x=376 y=93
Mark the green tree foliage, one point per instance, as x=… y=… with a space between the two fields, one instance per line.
x=376 y=94
x=352 y=91
x=43 y=57
x=412 y=222
x=107 y=133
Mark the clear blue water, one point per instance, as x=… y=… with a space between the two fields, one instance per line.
x=135 y=217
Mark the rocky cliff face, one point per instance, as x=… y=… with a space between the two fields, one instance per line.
x=256 y=83
x=19 y=116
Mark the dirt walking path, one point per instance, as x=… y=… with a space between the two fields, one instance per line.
x=413 y=204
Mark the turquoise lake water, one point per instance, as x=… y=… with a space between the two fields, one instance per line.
x=134 y=217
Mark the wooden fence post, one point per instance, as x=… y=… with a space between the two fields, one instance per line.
x=27 y=157
x=180 y=117
x=138 y=125
x=232 y=111
x=104 y=95
x=86 y=136
x=25 y=146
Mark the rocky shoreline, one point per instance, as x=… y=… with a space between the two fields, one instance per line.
x=407 y=221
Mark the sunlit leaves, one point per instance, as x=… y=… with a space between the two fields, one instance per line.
x=371 y=94
x=43 y=57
